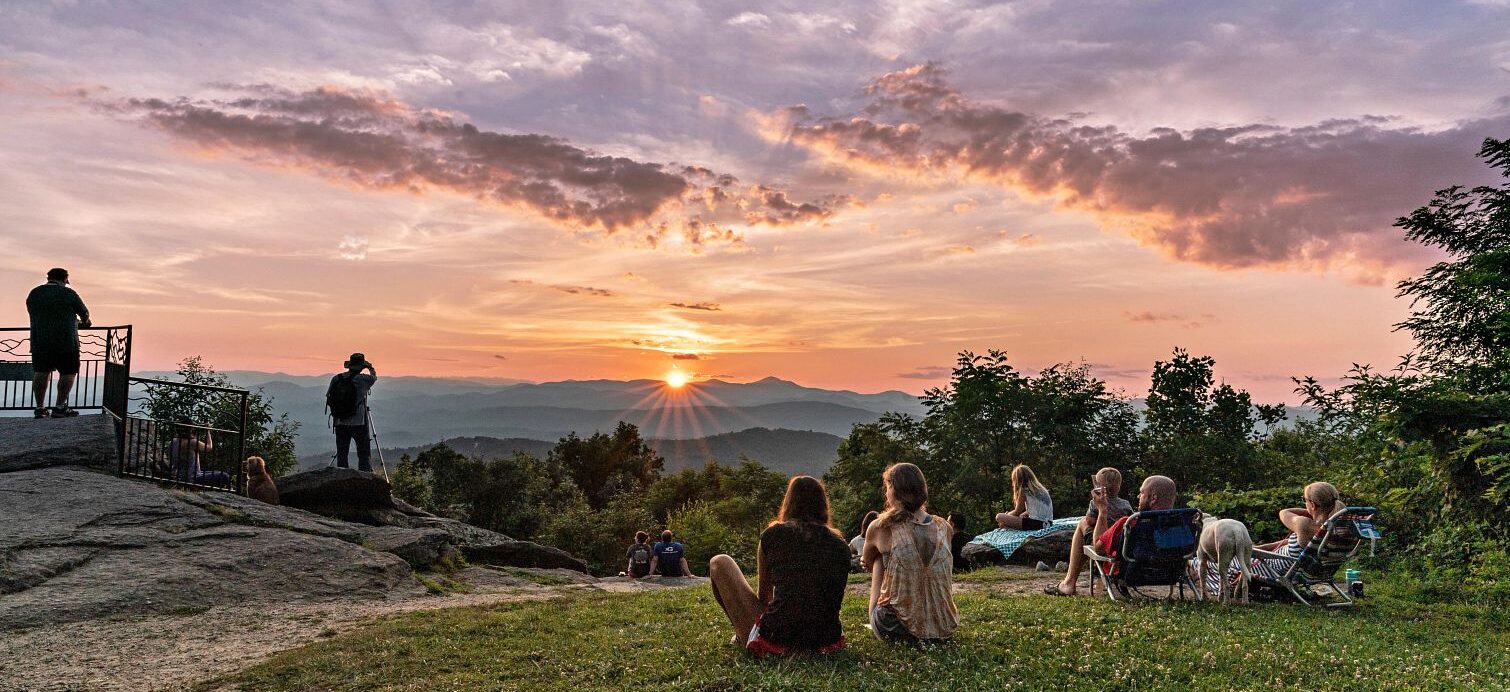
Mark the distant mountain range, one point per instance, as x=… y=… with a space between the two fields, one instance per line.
x=789 y=451
x=416 y=411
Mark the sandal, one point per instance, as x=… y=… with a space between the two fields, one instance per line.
x=40 y=413
x=63 y=412
x=1053 y=590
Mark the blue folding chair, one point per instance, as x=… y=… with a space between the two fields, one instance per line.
x=1156 y=549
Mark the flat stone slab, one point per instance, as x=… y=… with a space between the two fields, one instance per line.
x=31 y=443
x=79 y=545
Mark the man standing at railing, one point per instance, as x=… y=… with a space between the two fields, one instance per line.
x=347 y=400
x=56 y=313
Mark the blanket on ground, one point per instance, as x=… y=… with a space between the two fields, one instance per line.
x=1009 y=540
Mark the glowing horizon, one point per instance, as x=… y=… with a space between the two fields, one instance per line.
x=845 y=197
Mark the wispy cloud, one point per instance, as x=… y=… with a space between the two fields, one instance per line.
x=1151 y=317
x=927 y=372
x=711 y=307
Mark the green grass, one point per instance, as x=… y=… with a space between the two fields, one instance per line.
x=537 y=577
x=680 y=640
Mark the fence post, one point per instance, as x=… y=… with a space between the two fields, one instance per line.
x=241 y=449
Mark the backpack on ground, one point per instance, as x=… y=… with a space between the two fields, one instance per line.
x=343 y=398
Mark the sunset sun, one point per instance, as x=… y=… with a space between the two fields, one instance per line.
x=676 y=379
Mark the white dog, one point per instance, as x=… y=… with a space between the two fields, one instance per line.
x=1223 y=541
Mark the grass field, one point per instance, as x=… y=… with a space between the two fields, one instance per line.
x=678 y=640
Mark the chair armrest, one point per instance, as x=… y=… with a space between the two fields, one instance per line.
x=1093 y=555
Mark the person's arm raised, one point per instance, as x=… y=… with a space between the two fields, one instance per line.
x=1299 y=521
x=1098 y=497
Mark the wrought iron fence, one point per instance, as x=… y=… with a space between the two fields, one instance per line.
x=104 y=365
x=185 y=434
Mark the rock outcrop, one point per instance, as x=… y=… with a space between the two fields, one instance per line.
x=407 y=530
x=77 y=544
x=1050 y=549
x=345 y=494
x=82 y=441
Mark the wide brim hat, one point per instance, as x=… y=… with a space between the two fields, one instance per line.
x=357 y=360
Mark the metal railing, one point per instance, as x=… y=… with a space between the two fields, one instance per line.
x=185 y=434
x=104 y=365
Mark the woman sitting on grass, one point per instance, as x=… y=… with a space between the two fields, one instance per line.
x=803 y=567
x=912 y=568
x=1032 y=508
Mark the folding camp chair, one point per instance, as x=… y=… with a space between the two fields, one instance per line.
x=1311 y=578
x=1156 y=549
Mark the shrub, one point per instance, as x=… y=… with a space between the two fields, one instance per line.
x=699 y=527
x=600 y=537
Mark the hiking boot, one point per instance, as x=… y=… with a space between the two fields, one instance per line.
x=63 y=412
x=40 y=413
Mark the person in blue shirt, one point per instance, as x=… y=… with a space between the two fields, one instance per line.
x=669 y=557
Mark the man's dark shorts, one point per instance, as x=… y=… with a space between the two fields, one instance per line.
x=66 y=363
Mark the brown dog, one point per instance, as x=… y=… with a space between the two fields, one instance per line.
x=259 y=483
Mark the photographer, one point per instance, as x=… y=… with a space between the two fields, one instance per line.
x=346 y=398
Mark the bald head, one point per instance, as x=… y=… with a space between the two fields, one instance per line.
x=1157 y=492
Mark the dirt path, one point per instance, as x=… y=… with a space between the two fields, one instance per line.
x=168 y=652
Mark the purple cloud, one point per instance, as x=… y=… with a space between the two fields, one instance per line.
x=375 y=141
x=1251 y=195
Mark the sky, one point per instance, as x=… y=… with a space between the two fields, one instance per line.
x=844 y=194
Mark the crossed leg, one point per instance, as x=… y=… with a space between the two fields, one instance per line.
x=734 y=595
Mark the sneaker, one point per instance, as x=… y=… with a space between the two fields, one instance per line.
x=1041 y=566
x=40 y=413
x=63 y=412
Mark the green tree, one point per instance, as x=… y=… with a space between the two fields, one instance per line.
x=1062 y=422
x=267 y=436
x=1202 y=434
x=1460 y=307
x=605 y=466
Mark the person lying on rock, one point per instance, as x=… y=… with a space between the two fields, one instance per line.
x=803 y=568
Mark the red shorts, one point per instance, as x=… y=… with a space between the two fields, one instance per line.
x=764 y=647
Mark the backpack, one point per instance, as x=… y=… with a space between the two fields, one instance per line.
x=343 y=398
x=639 y=554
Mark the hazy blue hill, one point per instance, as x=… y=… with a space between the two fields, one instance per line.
x=788 y=451
x=412 y=411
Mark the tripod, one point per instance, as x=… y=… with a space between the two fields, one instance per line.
x=372 y=429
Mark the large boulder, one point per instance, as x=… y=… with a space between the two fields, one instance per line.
x=77 y=545
x=1050 y=549
x=422 y=548
x=345 y=494
x=31 y=443
x=524 y=554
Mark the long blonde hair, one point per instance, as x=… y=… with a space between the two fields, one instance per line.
x=906 y=493
x=1324 y=496
x=1024 y=480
